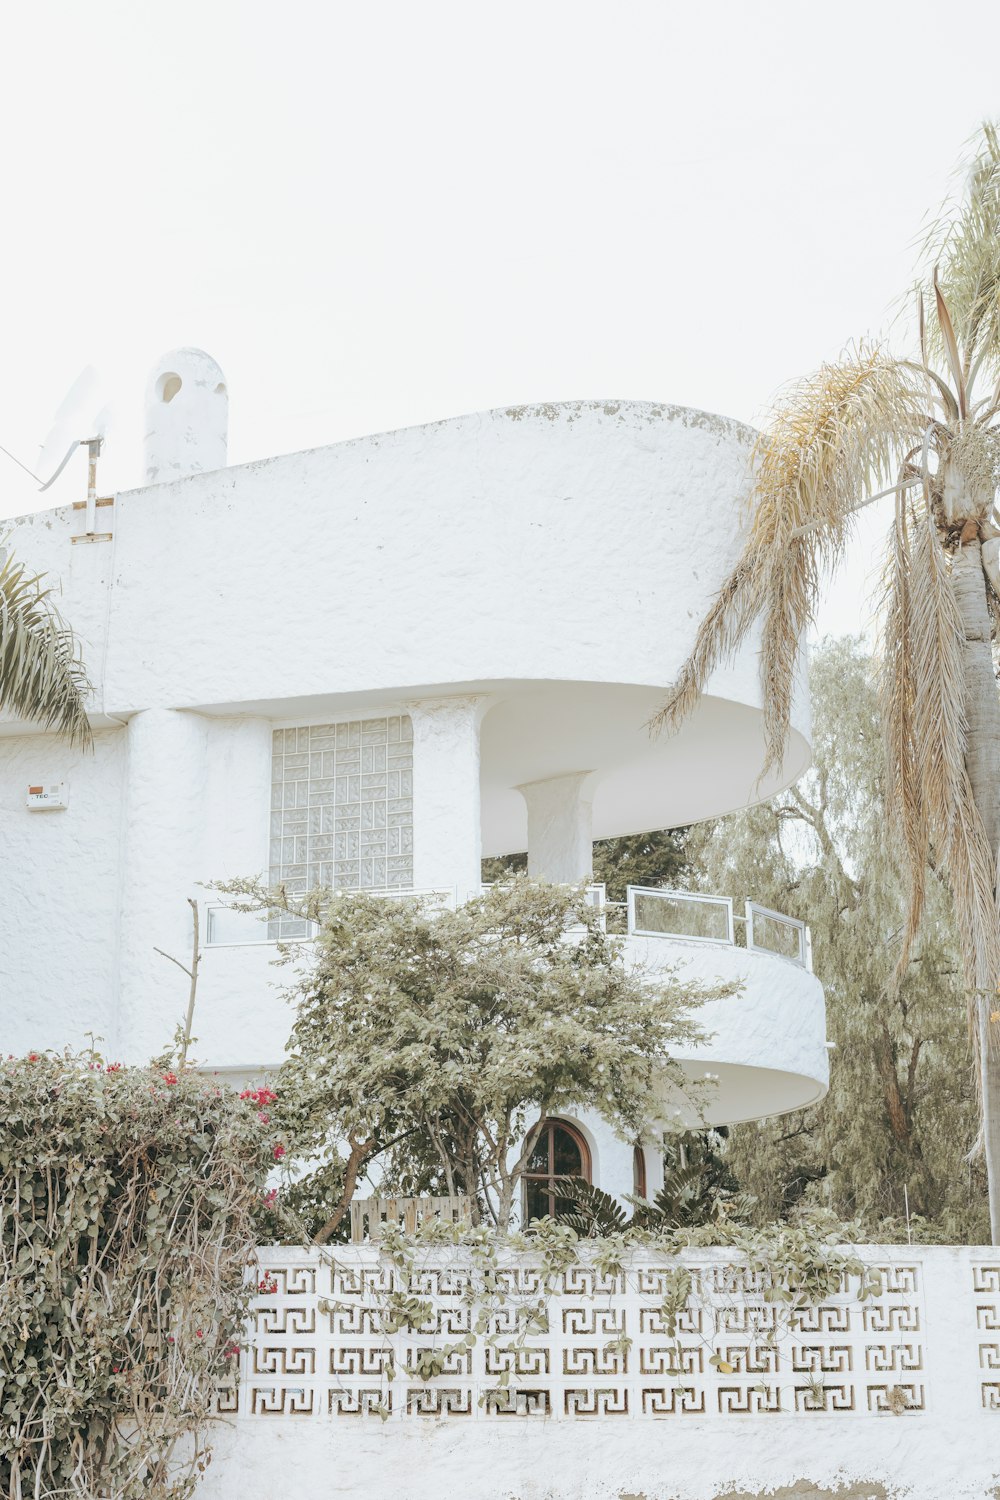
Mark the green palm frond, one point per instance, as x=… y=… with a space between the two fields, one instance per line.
x=41 y=675
x=697 y=1189
x=964 y=244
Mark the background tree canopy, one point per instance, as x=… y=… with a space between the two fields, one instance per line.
x=901 y=1111
x=656 y=858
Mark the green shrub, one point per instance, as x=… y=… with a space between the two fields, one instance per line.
x=128 y=1202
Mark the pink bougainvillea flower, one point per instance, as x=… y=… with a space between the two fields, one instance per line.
x=260 y=1097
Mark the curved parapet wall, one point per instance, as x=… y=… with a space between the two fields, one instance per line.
x=556 y=560
x=765 y=1051
x=765 y=1046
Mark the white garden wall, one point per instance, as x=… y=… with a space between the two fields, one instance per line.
x=895 y=1399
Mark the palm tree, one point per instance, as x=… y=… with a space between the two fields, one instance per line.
x=927 y=427
x=41 y=675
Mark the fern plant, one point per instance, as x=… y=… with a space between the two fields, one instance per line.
x=698 y=1189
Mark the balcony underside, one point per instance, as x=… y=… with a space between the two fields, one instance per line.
x=765 y=1047
x=710 y=767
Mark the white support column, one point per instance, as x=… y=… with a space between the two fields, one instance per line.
x=447 y=828
x=164 y=823
x=560 y=838
x=238 y=797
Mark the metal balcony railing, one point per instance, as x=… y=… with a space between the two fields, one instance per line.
x=648 y=912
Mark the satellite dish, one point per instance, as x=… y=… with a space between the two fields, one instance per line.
x=79 y=421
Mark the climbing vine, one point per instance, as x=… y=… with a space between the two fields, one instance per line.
x=793 y=1268
x=129 y=1200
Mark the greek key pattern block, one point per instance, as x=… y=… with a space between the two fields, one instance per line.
x=347 y=1334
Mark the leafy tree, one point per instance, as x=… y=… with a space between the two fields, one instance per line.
x=926 y=426
x=456 y=1029
x=902 y=1102
x=41 y=675
x=655 y=858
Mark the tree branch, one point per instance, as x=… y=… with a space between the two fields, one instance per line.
x=360 y=1151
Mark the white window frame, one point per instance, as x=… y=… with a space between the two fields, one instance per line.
x=753 y=908
x=680 y=937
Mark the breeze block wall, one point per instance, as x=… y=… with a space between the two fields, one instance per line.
x=892 y=1398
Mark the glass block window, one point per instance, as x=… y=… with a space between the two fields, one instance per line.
x=342 y=805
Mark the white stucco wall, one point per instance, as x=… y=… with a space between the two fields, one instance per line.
x=172 y=802
x=523 y=583
x=929 y=1338
x=765 y=1047
x=758 y=1458
x=490 y=547
x=555 y=558
x=187 y=416
x=197 y=811
x=60 y=889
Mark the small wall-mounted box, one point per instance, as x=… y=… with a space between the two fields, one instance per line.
x=48 y=798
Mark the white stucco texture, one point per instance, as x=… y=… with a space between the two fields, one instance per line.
x=523 y=584
x=765 y=1046
x=60 y=889
x=755 y=1458
x=187 y=416
x=557 y=559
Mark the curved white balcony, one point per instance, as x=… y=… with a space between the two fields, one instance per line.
x=765 y=1051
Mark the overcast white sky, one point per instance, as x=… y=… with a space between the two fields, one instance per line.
x=376 y=215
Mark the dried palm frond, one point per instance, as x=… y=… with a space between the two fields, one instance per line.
x=929 y=795
x=898 y=688
x=939 y=744
x=41 y=675
x=964 y=244
x=834 y=439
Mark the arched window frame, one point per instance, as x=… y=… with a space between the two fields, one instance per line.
x=551 y=1124
x=639 y=1170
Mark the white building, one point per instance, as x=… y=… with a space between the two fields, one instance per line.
x=369 y=665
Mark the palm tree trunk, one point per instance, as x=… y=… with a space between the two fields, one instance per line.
x=982 y=759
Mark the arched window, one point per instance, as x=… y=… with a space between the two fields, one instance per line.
x=559 y=1151
x=638 y=1171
